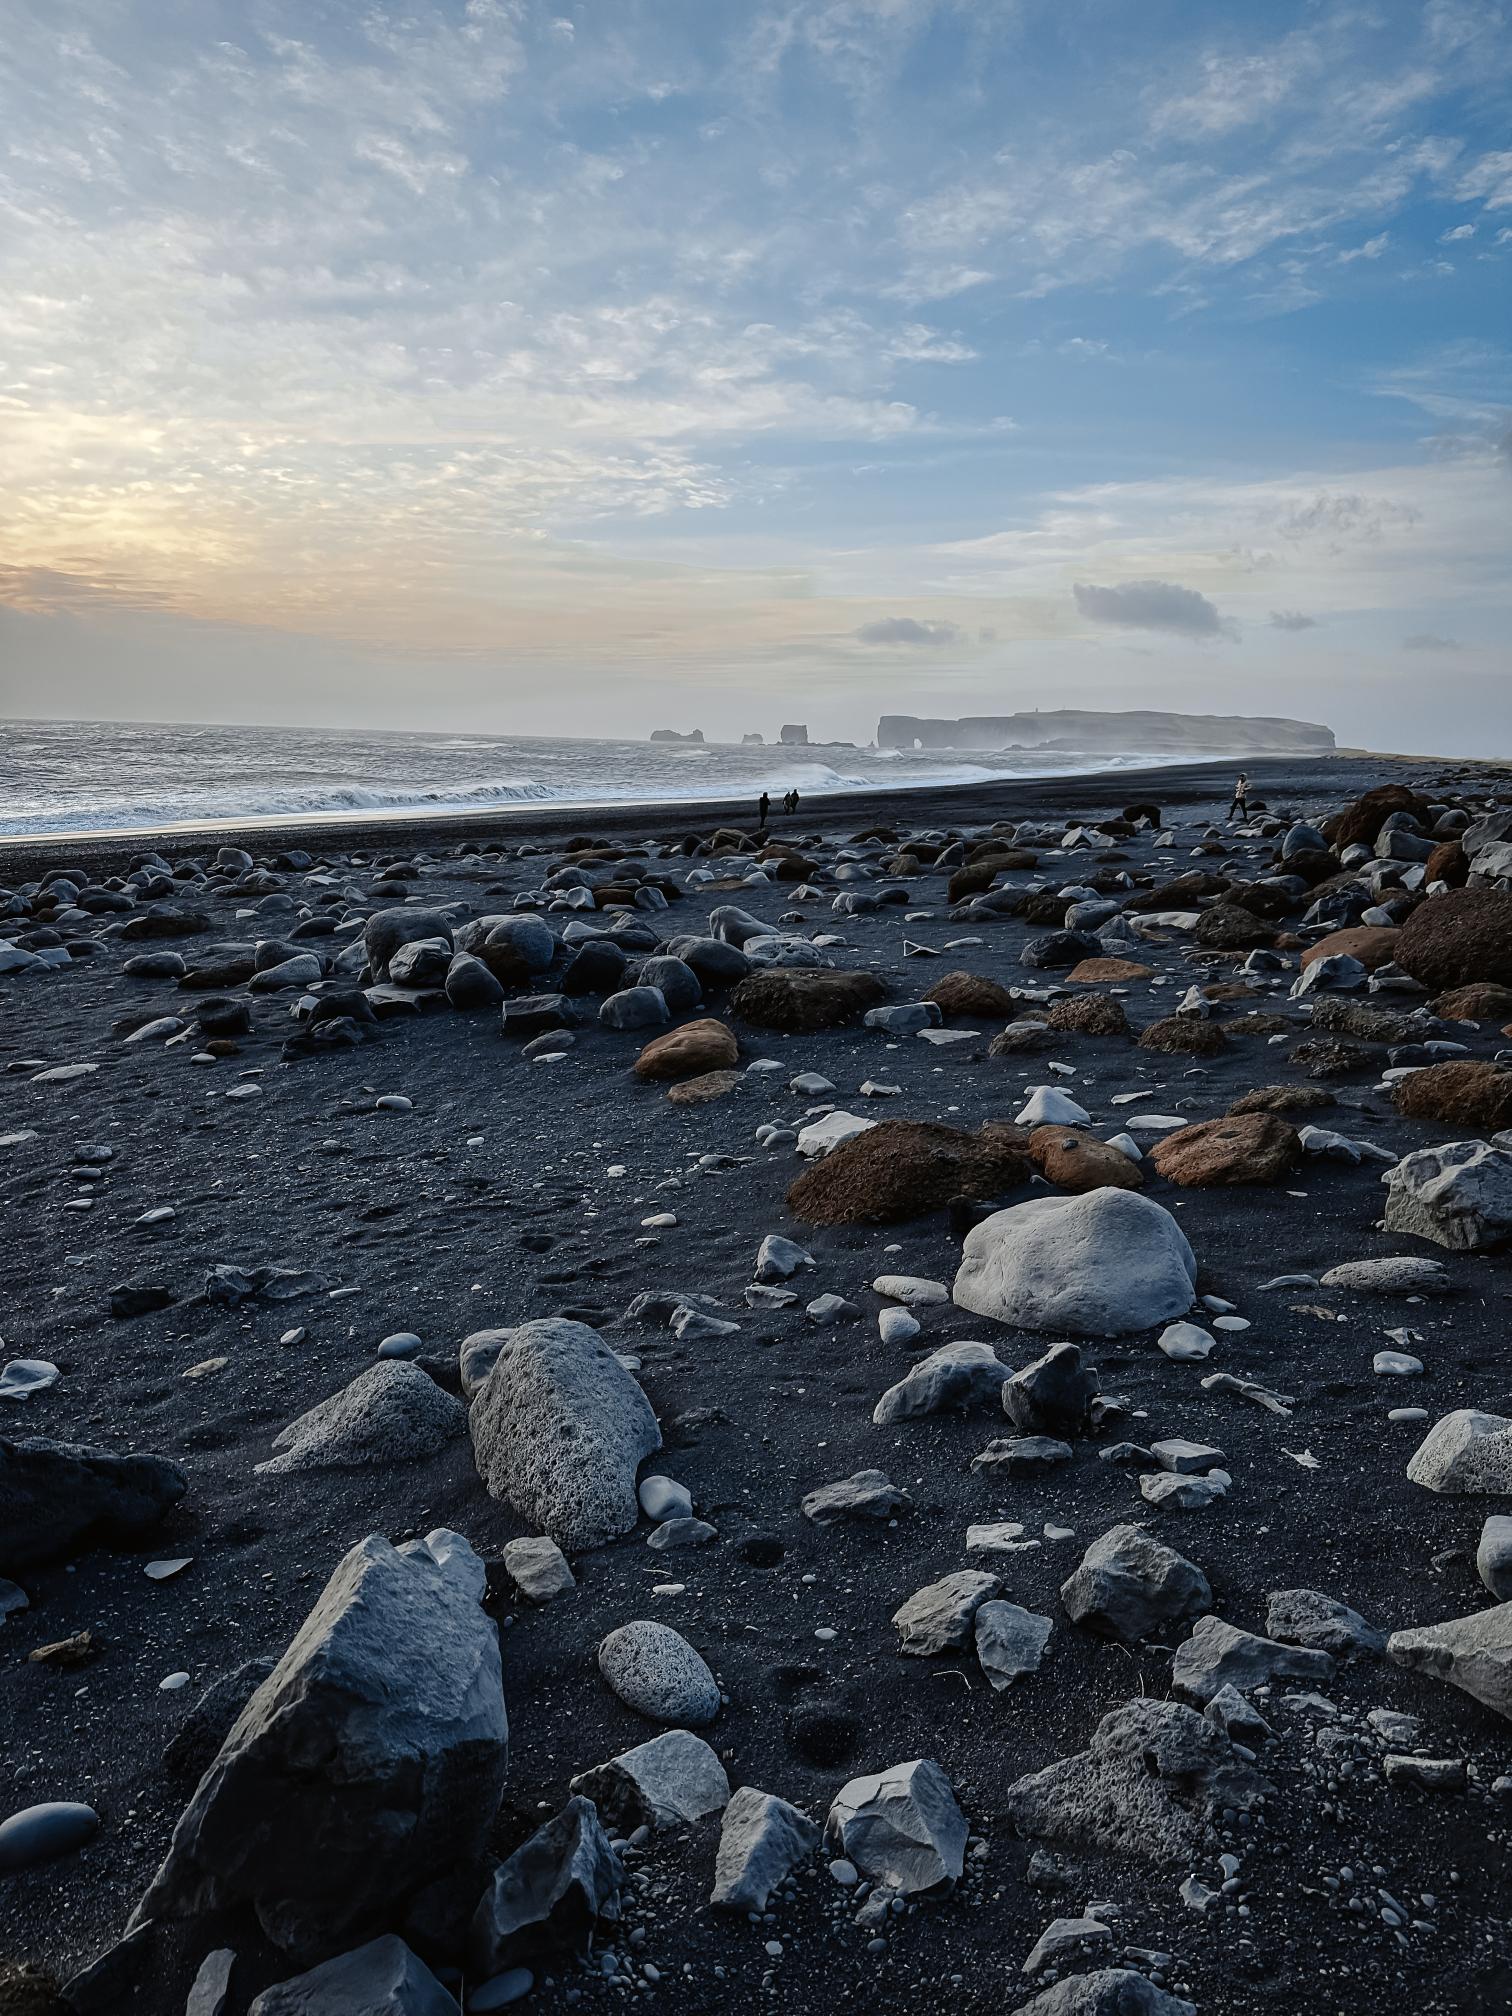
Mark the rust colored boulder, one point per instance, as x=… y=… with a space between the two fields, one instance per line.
x=904 y=1168
x=1461 y=1094
x=1284 y=1099
x=799 y=999
x=1458 y=939
x=689 y=1052
x=1229 y=927
x=1372 y=944
x=1182 y=892
x=1240 y=1148
x=1484 y=1002
x=1089 y=1015
x=709 y=1085
x=971 y=996
x=1019 y=1037
x=1073 y=1159
x=1183 y=1036
x=1109 y=972
x=1448 y=863
x=1334 y=1057
x=1359 y=823
x=973 y=880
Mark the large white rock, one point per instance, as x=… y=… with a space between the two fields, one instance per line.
x=559 y=1429
x=1099 y=1265
x=901 y=1827
x=1458 y=1194
x=1466 y=1454
x=820 y=1136
x=1048 y=1106
x=368 y=1765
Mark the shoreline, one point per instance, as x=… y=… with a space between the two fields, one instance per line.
x=1175 y=783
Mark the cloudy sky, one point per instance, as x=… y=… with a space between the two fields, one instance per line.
x=587 y=368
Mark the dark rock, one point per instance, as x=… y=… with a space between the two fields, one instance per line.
x=58 y=1497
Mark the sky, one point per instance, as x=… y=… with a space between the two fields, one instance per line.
x=586 y=369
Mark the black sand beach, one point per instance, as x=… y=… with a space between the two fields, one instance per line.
x=506 y=1189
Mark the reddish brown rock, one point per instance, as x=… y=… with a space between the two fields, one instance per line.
x=1448 y=863
x=800 y=999
x=905 y=1168
x=1183 y=1036
x=1359 y=823
x=971 y=997
x=1457 y=939
x=1074 y=1159
x=1372 y=944
x=709 y=1085
x=1484 y=1002
x=688 y=1052
x=1109 y=972
x=1460 y=1093
x=1089 y=1015
x=1238 y=1149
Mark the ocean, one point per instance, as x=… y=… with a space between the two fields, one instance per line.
x=118 y=776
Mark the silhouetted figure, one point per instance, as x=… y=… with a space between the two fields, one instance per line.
x=763 y=811
x=1240 y=805
x=792 y=800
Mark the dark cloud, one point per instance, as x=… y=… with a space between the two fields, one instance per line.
x=908 y=630
x=1428 y=640
x=1150 y=605
x=1292 y=619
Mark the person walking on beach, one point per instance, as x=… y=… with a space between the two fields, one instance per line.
x=763 y=811
x=791 y=801
x=1240 y=805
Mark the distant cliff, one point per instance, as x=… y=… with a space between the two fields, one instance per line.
x=1145 y=732
x=671 y=735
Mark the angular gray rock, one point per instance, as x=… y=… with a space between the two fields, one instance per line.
x=1010 y=1642
x=368 y=1765
x=955 y=1377
x=559 y=1430
x=1098 y=1265
x=1465 y=1454
x=1472 y=1653
x=383 y=1978
x=778 y=1259
x=394 y=1412
x=210 y=1993
x=1051 y=1396
x=654 y=1670
x=667 y=1782
x=867 y=1494
x=548 y=1896
x=1309 y=1617
x=937 y=1618
x=1063 y=1937
x=58 y=1497
x=901 y=1827
x=1220 y=1655
x=1150 y=1783
x=1458 y=1194
x=762 y=1839
x=1109 y=1991
x=1493 y=1556
x=1130 y=1585
x=538 y=1568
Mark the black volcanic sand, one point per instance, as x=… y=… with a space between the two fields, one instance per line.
x=515 y=1189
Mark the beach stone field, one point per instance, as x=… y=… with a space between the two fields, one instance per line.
x=907 y=1412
